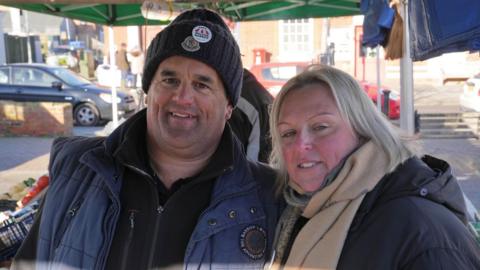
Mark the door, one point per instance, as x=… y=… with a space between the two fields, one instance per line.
x=34 y=84
x=7 y=90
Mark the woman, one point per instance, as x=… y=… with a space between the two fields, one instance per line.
x=357 y=197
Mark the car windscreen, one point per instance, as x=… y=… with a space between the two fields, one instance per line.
x=70 y=77
x=281 y=73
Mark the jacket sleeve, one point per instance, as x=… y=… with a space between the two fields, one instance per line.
x=445 y=259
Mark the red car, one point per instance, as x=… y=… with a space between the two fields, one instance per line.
x=274 y=75
x=394 y=99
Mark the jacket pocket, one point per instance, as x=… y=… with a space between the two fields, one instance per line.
x=69 y=215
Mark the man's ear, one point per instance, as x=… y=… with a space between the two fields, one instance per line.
x=228 y=112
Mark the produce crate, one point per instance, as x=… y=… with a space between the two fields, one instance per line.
x=14 y=230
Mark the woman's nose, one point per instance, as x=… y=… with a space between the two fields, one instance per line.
x=305 y=141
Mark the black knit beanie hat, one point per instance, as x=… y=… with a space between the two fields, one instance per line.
x=200 y=34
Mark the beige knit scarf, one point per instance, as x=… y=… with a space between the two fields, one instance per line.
x=331 y=210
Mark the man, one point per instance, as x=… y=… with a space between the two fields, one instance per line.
x=171 y=187
x=122 y=63
x=249 y=120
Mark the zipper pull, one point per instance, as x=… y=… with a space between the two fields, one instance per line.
x=72 y=211
x=132 y=218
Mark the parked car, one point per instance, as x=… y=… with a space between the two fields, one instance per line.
x=470 y=98
x=274 y=75
x=394 y=98
x=91 y=103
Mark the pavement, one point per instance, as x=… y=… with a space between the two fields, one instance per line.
x=24 y=157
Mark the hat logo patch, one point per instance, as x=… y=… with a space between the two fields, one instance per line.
x=202 y=34
x=253 y=241
x=190 y=44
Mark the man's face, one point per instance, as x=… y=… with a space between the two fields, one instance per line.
x=187 y=108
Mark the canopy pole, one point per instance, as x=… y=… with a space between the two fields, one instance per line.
x=407 y=116
x=379 y=86
x=111 y=43
x=3 y=56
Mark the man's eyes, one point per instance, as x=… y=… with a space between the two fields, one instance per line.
x=171 y=81
x=176 y=82
x=200 y=85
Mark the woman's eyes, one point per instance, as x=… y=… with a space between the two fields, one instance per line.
x=319 y=127
x=315 y=128
x=287 y=134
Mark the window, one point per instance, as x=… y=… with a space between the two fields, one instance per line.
x=4 y=75
x=296 y=40
x=32 y=76
x=283 y=73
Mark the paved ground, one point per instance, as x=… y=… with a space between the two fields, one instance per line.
x=24 y=157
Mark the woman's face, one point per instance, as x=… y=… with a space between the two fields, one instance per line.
x=314 y=137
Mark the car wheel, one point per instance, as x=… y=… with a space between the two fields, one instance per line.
x=86 y=114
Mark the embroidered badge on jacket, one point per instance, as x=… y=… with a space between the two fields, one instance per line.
x=190 y=44
x=253 y=241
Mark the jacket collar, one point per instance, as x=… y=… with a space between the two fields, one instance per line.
x=126 y=146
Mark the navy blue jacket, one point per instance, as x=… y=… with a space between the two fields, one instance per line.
x=82 y=207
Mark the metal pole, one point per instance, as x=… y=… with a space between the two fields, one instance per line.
x=27 y=31
x=379 y=86
x=67 y=25
x=406 y=80
x=111 y=44
x=3 y=56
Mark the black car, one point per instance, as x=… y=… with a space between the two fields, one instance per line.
x=91 y=103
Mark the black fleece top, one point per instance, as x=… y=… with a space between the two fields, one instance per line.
x=155 y=223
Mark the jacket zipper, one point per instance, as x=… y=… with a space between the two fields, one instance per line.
x=126 y=247
x=68 y=218
x=158 y=214
x=158 y=211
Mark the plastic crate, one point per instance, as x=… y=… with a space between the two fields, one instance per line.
x=14 y=230
x=8 y=205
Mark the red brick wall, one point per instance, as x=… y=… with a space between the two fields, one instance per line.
x=35 y=119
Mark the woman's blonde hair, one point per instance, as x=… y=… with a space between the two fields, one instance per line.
x=355 y=107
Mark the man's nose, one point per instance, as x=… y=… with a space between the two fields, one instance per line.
x=184 y=94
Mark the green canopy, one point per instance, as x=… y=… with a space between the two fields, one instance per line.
x=106 y=14
x=123 y=14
